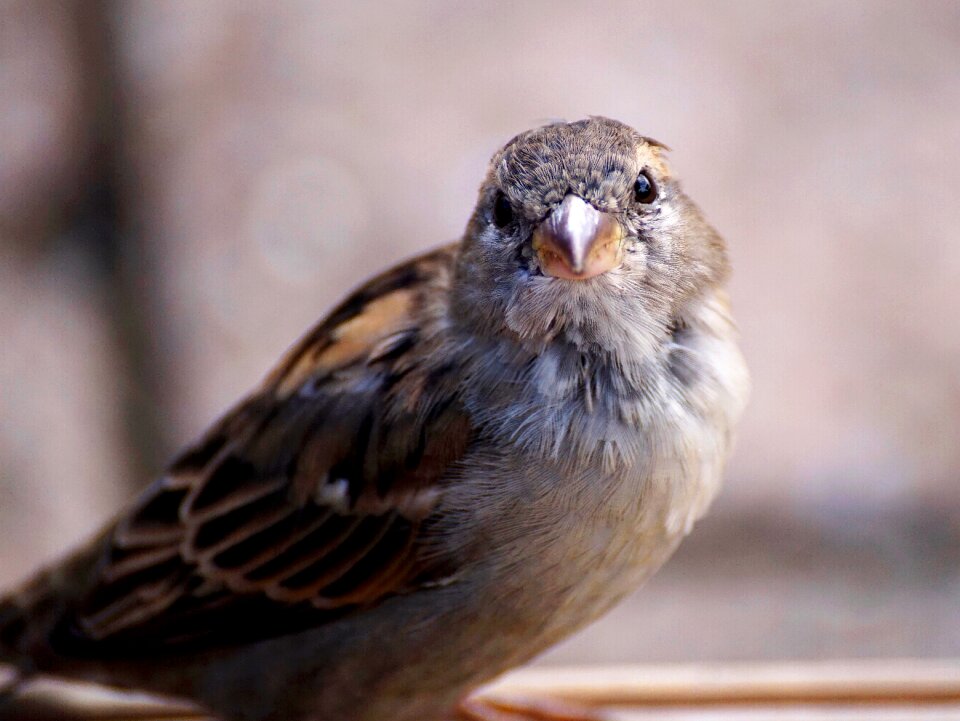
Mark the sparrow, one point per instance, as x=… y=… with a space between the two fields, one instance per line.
x=474 y=455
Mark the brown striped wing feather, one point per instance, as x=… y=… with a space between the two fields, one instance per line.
x=311 y=498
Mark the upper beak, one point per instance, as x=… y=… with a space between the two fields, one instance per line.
x=576 y=241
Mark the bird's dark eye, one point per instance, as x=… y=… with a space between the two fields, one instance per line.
x=502 y=211
x=644 y=191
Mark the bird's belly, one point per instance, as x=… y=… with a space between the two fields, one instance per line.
x=591 y=559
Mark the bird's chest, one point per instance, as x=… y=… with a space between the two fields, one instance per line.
x=595 y=534
x=592 y=479
x=625 y=523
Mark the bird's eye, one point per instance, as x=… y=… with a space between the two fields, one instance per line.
x=502 y=211
x=644 y=191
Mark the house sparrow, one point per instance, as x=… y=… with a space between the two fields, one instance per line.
x=474 y=455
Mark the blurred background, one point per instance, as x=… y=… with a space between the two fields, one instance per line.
x=186 y=187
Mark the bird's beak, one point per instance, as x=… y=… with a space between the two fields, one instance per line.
x=576 y=241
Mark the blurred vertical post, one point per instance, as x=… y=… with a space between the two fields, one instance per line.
x=107 y=232
x=76 y=434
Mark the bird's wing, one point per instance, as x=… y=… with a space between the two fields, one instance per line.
x=311 y=498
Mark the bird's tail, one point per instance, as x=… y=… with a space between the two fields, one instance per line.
x=12 y=675
x=30 y=613
x=20 y=614
x=26 y=618
x=13 y=622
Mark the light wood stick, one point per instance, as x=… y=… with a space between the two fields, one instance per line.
x=837 y=682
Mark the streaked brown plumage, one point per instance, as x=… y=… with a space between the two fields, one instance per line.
x=472 y=456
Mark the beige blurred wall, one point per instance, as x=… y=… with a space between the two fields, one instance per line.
x=272 y=155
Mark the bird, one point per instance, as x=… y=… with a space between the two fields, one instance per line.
x=475 y=454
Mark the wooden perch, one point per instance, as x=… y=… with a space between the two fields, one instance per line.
x=835 y=682
x=920 y=688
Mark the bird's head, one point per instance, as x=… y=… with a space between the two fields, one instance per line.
x=581 y=231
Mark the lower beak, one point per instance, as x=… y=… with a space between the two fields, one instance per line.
x=576 y=241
